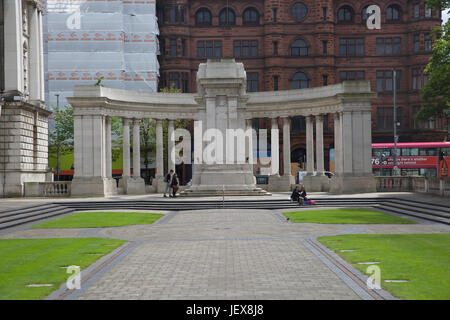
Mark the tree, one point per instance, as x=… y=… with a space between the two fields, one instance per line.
x=436 y=92
x=61 y=138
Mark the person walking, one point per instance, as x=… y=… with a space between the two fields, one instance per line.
x=175 y=184
x=168 y=181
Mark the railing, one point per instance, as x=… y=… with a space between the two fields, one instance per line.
x=48 y=189
x=440 y=186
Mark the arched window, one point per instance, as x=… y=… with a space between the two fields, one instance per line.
x=365 y=15
x=299 y=11
x=345 y=14
x=227 y=17
x=299 y=48
x=203 y=17
x=393 y=13
x=250 y=16
x=300 y=81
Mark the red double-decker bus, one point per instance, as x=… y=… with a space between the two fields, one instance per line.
x=429 y=159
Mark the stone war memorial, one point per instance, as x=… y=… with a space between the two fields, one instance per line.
x=222 y=106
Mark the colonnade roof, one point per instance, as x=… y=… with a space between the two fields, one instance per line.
x=344 y=96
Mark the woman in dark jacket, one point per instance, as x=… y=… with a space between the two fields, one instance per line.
x=175 y=184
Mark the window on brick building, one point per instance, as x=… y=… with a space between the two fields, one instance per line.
x=428 y=12
x=324 y=47
x=245 y=48
x=252 y=82
x=385 y=118
x=385 y=81
x=250 y=16
x=351 y=47
x=324 y=13
x=389 y=46
x=416 y=79
x=299 y=48
x=209 y=49
x=325 y=80
x=275 y=11
x=183 y=47
x=299 y=11
x=300 y=81
x=172 y=15
x=275 y=82
x=227 y=17
x=425 y=78
x=428 y=42
x=174 y=80
x=416 y=10
x=173 y=47
x=351 y=75
x=275 y=48
x=203 y=17
x=416 y=43
x=298 y=124
x=182 y=15
x=365 y=15
x=162 y=47
x=393 y=13
x=345 y=14
x=184 y=82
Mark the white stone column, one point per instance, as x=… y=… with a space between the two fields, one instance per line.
x=159 y=149
x=319 y=145
x=249 y=143
x=126 y=148
x=90 y=162
x=13 y=39
x=136 y=149
x=286 y=146
x=34 y=54
x=275 y=147
x=108 y=147
x=171 y=146
x=41 y=57
x=337 y=144
x=309 y=146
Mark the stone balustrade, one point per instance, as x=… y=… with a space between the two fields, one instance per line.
x=48 y=189
x=438 y=186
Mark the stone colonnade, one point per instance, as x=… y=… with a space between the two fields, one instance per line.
x=221 y=102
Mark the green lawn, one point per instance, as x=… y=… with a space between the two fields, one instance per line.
x=40 y=261
x=344 y=216
x=423 y=259
x=100 y=220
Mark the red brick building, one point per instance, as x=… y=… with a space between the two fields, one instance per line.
x=287 y=44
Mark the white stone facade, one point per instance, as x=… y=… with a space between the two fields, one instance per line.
x=223 y=103
x=23 y=119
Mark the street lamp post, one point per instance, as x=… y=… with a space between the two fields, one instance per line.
x=395 y=171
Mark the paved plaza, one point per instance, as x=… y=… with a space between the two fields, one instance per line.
x=220 y=254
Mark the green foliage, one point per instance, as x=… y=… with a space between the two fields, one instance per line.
x=422 y=259
x=172 y=89
x=62 y=136
x=100 y=220
x=345 y=216
x=99 y=82
x=42 y=261
x=436 y=92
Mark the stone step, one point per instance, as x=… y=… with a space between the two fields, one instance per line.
x=389 y=209
x=20 y=221
x=28 y=212
x=418 y=209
